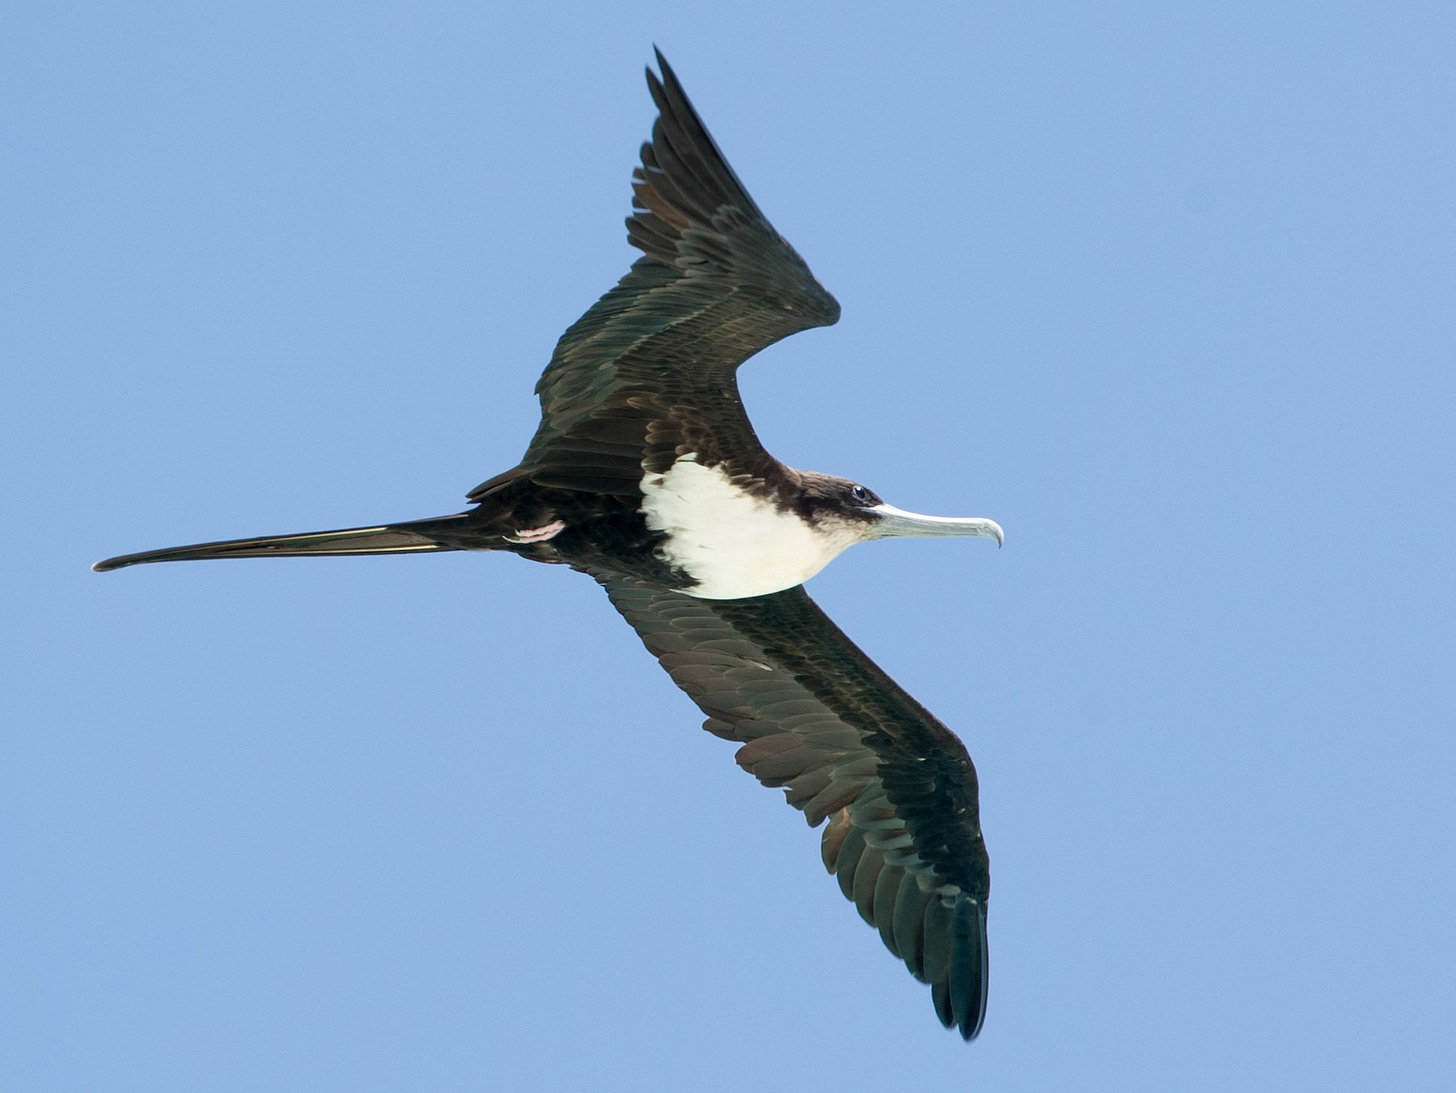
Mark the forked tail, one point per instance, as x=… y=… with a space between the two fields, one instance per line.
x=410 y=538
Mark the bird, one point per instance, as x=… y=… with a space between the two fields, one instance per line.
x=646 y=474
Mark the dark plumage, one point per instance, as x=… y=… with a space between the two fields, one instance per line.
x=819 y=718
x=646 y=473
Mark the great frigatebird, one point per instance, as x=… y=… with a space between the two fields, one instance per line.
x=646 y=474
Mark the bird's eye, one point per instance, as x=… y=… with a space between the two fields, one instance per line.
x=860 y=494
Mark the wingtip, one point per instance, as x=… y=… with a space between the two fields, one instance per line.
x=970 y=992
x=960 y=995
x=667 y=75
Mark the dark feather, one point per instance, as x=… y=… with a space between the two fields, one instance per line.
x=819 y=718
x=653 y=361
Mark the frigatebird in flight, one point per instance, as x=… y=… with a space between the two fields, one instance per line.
x=646 y=474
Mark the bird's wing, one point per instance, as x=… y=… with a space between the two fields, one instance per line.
x=648 y=373
x=847 y=744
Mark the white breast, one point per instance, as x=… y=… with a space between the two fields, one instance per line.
x=732 y=543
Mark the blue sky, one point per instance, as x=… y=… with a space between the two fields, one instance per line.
x=1165 y=291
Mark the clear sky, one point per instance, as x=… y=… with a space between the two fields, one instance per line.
x=1165 y=289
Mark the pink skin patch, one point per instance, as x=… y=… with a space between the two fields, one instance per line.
x=538 y=535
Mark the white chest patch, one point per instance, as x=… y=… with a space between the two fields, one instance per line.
x=732 y=543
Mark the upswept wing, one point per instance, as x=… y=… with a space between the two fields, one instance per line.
x=648 y=373
x=817 y=717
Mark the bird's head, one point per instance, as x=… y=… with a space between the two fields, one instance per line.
x=846 y=510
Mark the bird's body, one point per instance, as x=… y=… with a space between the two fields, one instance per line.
x=646 y=474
